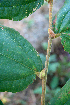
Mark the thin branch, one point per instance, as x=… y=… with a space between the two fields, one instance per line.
x=50 y=39
x=43 y=92
x=48 y=55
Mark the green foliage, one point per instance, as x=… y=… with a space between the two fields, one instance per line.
x=63 y=96
x=54 y=83
x=1 y=102
x=61 y=24
x=56 y=90
x=18 y=9
x=68 y=102
x=53 y=67
x=53 y=58
x=52 y=63
x=63 y=69
x=39 y=90
x=65 y=40
x=49 y=93
x=18 y=61
x=45 y=45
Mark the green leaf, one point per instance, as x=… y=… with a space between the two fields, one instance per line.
x=53 y=67
x=52 y=58
x=45 y=45
x=1 y=103
x=61 y=24
x=19 y=61
x=68 y=102
x=18 y=9
x=65 y=40
x=57 y=90
x=54 y=82
x=39 y=90
x=62 y=96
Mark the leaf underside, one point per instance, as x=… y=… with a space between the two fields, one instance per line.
x=61 y=24
x=18 y=9
x=19 y=61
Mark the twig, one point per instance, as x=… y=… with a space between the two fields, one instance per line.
x=43 y=92
x=48 y=55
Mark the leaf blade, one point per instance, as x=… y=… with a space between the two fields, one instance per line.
x=62 y=96
x=18 y=60
x=18 y=9
x=61 y=24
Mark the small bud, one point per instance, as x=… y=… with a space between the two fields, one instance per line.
x=51 y=32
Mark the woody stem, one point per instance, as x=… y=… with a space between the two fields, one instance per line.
x=48 y=55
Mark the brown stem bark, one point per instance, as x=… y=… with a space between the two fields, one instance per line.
x=48 y=55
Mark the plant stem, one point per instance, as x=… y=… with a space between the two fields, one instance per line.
x=43 y=91
x=48 y=55
x=50 y=39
